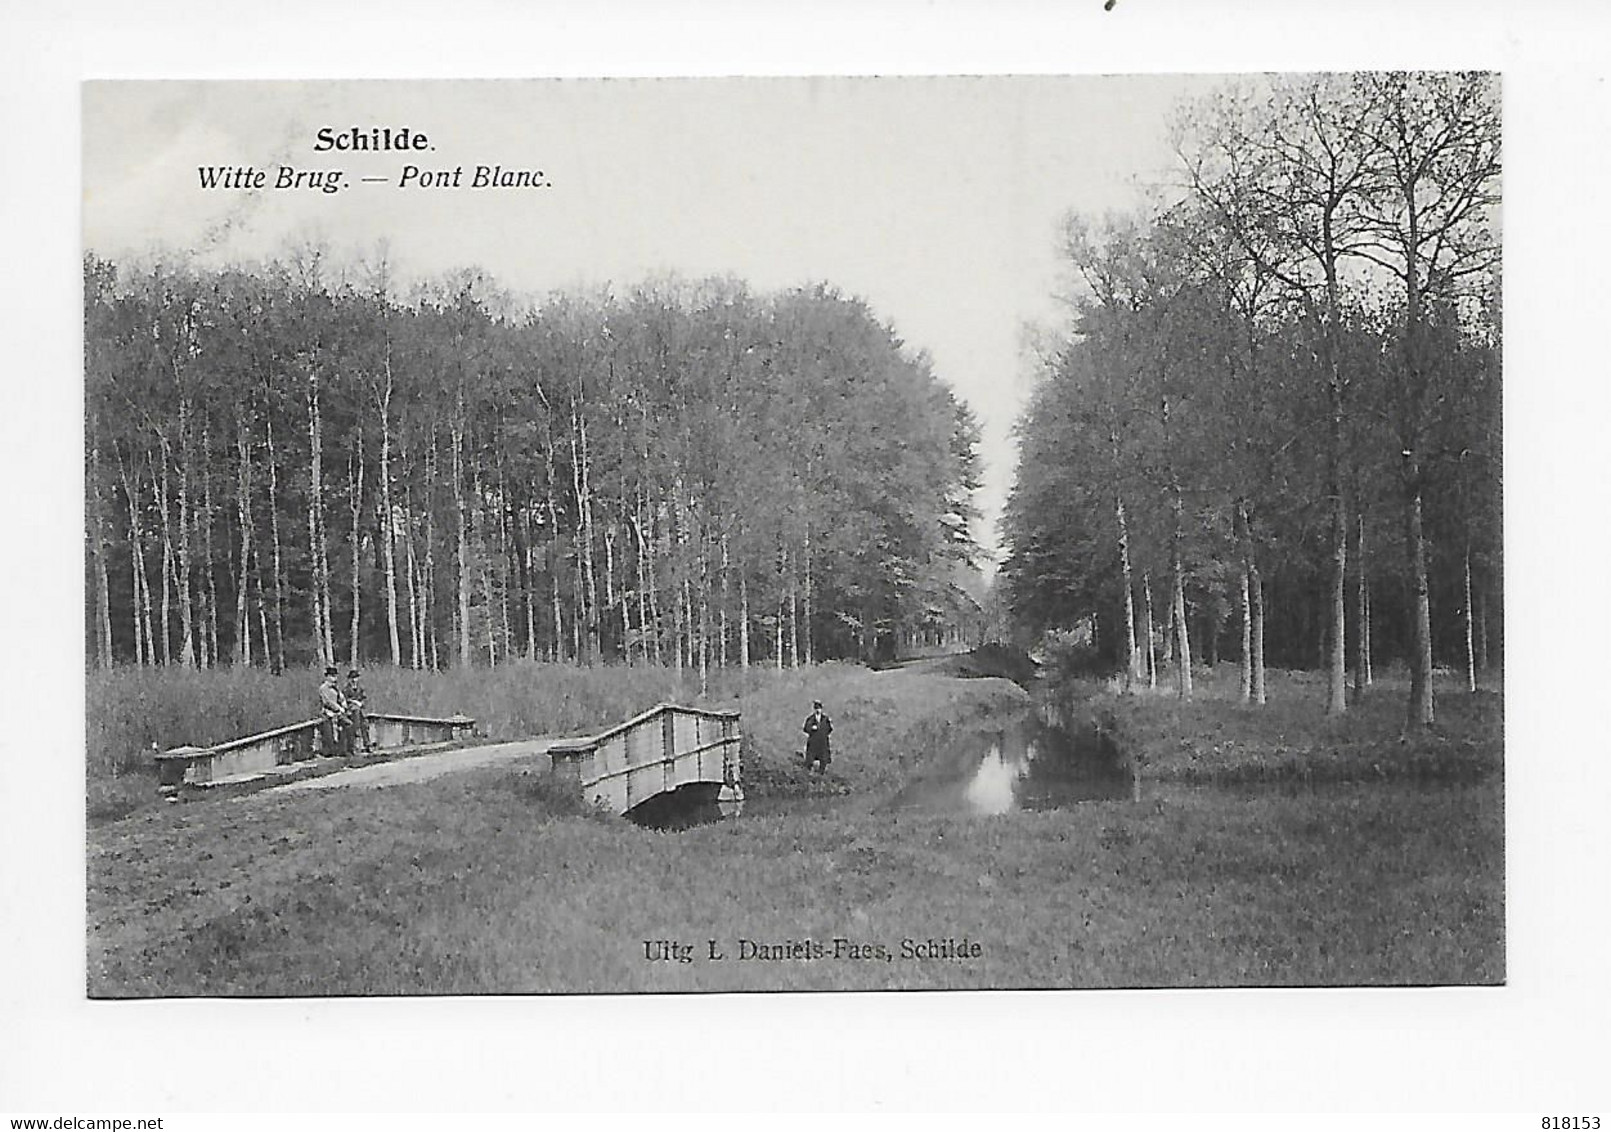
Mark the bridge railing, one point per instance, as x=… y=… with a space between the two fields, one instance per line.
x=255 y=755
x=655 y=752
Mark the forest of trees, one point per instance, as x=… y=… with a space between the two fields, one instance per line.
x=1271 y=428
x=290 y=462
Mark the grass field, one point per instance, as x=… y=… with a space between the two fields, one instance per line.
x=494 y=882
x=1215 y=738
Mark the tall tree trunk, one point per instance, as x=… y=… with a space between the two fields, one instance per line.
x=1182 y=638
x=1256 y=592
x=506 y=632
x=1365 y=631
x=1361 y=612
x=429 y=640
x=316 y=527
x=704 y=616
x=461 y=520
x=1183 y=680
x=144 y=649
x=794 y=618
x=1482 y=629
x=1337 y=456
x=355 y=507
x=277 y=662
x=103 y=589
x=1421 y=711
x=743 y=622
x=1337 y=591
x=1244 y=601
x=645 y=579
x=1130 y=656
x=388 y=524
x=810 y=606
x=1244 y=605
x=161 y=490
x=1152 y=644
x=611 y=602
x=262 y=607
x=528 y=588
x=587 y=578
x=1470 y=627
x=721 y=650
x=187 y=611
x=243 y=514
x=210 y=578
x=416 y=632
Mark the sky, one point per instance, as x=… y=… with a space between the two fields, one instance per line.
x=938 y=200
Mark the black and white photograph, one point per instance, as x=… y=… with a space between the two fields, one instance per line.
x=873 y=555
x=794 y=534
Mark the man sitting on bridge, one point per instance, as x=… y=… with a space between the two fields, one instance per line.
x=333 y=726
x=817 y=728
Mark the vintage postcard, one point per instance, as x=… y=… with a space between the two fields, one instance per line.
x=821 y=534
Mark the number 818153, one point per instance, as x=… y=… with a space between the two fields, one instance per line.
x=1570 y=1124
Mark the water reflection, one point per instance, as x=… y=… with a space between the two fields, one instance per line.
x=992 y=788
x=1028 y=766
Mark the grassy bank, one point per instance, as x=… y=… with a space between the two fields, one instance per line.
x=494 y=880
x=485 y=883
x=1215 y=738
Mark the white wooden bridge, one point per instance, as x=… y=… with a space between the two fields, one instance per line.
x=669 y=748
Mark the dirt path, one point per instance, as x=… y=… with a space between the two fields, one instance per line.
x=421 y=767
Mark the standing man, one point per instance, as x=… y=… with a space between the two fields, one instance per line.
x=354 y=695
x=332 y=716
x=817 y=728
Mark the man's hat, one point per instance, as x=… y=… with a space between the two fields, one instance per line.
x=816 y=703
x=330 y=670
x=352 y=672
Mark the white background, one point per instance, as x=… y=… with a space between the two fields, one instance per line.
x=1537 y=1045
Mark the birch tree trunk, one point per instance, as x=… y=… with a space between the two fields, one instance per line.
x=1470 y=620
x=388 y=526
x=144 y=653
x=277 y=663
x=1152 y=646
x=187 y=613
x=1482 y=629
x=810 y=607
x=416 y=630
x=743 y=622
x=355 y=507
x=1337 y=600
x=103 y=598
x=1130 y=657
x=243 y=485
x=1421 y=710
x=721 y=649
x=210 y=575
x=1256 y=592
x=794 y=617
x=1183 y=680
x=462 y=527
x=1361 y=612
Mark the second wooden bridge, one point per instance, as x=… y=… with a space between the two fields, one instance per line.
x=667 y=749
